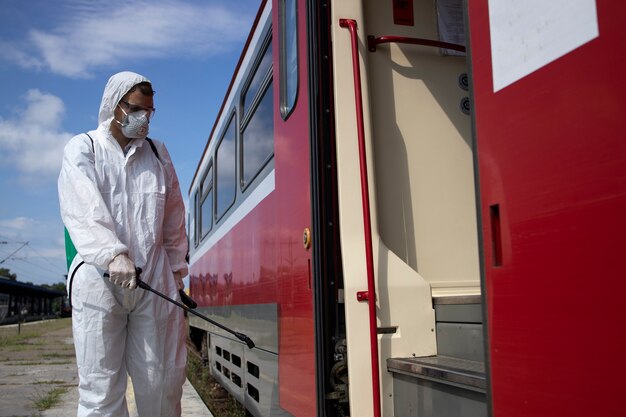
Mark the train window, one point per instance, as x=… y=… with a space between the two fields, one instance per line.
x=188 y=225
x=206 y=203
x=259 y=77
x=193 y=222
x=257 y=134
x=257 y=140
x=225 y=171
x=288 y=57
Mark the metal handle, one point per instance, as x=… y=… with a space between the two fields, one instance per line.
x=373 y=41
x=370 y=295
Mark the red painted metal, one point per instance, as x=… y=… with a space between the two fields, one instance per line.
x=551 y=153
x=362 y=296
x=370 y=296
x=296 y=367
x=403 y=12
x=373 y=41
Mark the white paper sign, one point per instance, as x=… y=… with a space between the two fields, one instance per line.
x=528 y=34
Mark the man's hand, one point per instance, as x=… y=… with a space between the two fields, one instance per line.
x=178 y=277
x=122 y=272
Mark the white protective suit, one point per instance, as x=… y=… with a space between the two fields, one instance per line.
x=114 y=203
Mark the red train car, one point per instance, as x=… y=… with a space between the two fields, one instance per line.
x=414 y=208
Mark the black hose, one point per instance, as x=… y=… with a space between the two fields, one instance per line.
x=69 y=296
x=189 y=307
x=239 y=336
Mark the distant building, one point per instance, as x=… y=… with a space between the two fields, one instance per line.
x=27 y=302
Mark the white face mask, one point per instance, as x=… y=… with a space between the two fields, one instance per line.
x=135 y=125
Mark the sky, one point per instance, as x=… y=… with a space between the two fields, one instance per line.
x=55 y=59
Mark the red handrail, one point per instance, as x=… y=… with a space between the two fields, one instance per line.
x=370 y=295
x=372 y=42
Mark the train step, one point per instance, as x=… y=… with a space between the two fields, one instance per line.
x=441 y=386
x=447 y=370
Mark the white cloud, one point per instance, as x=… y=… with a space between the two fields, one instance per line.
x=100 y=34
x=46 y=235
x=16 y=53
x=33 y=140
x=17 y=224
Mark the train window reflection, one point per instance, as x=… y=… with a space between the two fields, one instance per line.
x=258 y=78
x=225 y=158
x=288 y=57
x=206 y=206
x=194 y=221
x=258 y=137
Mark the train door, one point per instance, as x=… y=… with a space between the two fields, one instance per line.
x=293 y=179
x=548 y=85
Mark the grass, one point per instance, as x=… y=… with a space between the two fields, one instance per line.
x=22 y=345
x=54 y=381
x=58 y=355
x=31 y=337
x=34 y=363
x=37 y=343
x=217 y=399
x=16 y=341
x=36 y=327
x=9 y=337
x=48 y=400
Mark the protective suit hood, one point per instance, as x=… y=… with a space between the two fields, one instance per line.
x=118 y=85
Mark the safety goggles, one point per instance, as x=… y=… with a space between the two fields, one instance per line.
x=132 y=108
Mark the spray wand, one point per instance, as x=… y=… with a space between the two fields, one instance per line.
x=189 y=306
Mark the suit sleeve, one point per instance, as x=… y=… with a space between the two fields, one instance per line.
x=174 y=231
x=83 y=210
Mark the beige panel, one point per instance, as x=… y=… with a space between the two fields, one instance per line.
x=422 y=153
x=357 y=330
x=421 y=186
x=404 y=297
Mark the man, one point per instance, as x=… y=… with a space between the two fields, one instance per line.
x=122 y=206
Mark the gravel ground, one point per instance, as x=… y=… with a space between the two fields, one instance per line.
x=38 y=374
x=37 y=366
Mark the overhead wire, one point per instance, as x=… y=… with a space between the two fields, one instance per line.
x=37 y=266
x=45 y=258
x=13 y=253
x=12 y=263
